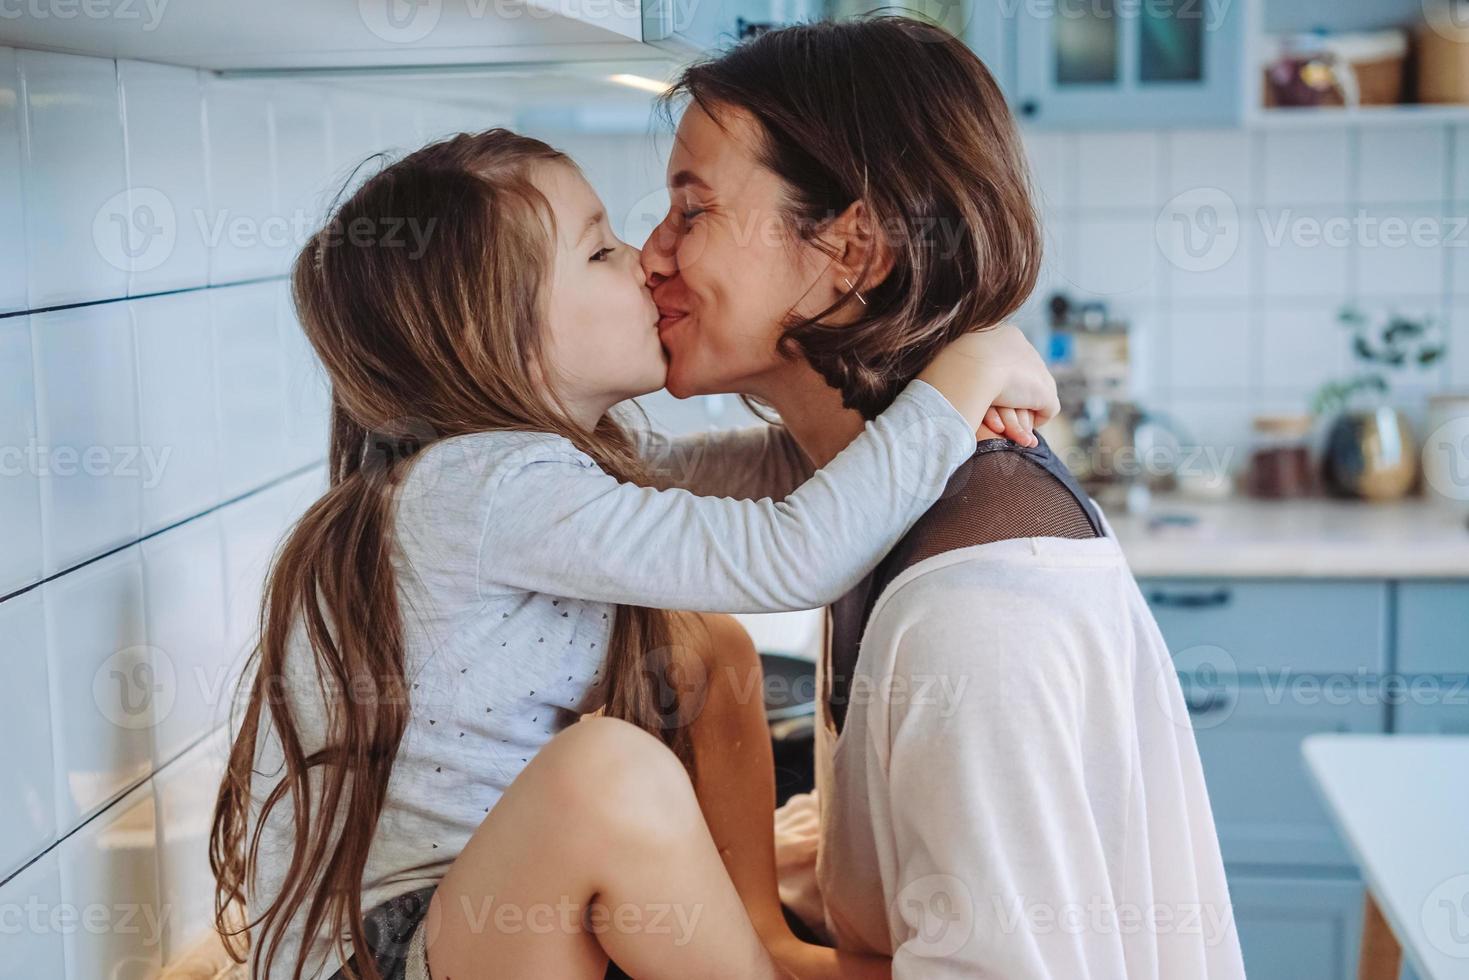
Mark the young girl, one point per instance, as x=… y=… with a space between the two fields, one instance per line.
x=488 y=566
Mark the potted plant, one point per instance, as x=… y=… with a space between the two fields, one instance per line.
x=1370 y=449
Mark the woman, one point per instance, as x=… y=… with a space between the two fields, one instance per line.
x=1067 y=777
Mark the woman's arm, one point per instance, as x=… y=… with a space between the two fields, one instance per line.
x=747 y=463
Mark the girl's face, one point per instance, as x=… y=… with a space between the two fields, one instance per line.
x=726 y=269
x=603 y=326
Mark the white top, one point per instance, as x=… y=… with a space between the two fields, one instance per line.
x=1016 y=792
x=510 y=550
x=1399 y=802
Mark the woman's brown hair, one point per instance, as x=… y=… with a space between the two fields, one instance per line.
x=900 y=115
x=422 y=297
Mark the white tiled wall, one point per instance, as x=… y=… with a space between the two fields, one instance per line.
x=1252 y=328
x=162 y=421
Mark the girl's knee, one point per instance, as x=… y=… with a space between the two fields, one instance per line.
x=617 y=774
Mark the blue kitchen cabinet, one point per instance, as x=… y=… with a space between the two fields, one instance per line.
x=1116 y=63
x=700 y=26
x=1444 y=711
x=1266 y=810
x=1298 y=928
x=1263 y=627
x=1263 y=664
x=1433 y=628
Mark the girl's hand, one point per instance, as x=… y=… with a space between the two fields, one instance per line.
x=1015 y=424
x=983 y=370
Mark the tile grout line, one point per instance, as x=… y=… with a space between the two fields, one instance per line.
x=216 y=508
x=83 y=304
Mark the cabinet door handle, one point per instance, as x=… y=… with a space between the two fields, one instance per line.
x=1190 y=600
x=1206 y=702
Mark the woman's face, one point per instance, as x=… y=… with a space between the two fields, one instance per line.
x=725 y=269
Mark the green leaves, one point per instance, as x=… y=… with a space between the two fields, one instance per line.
x=1395 y=342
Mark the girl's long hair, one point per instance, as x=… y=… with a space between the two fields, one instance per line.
x=422 y=296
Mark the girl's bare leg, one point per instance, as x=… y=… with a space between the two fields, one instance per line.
x=602 y=823
x=722 y=688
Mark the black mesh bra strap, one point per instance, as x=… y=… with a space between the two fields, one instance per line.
x=1003 y=491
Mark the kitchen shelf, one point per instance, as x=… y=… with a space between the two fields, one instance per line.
x=1376 y=116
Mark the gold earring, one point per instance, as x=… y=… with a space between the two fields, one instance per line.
x=854 y=290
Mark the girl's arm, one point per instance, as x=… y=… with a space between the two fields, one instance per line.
x=764 y=460
x=556 y=523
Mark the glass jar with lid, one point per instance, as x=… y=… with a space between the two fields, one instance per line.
x=1280 y=457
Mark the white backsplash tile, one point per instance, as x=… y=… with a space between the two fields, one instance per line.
x=183 y=581
x=399 y=125
x=1118 y=170
x=87 y=414
x=12 y=213
x=1306 y=166
x=307 y=390
x=20 y=503
x=243 y=222
x=184 y=793
x=1400 y=253
x=1302 y=348
x=1207 y=245
x=1052 y=166
x=1218 y=159
x=104 y=691
x=37 y=950
x=250 y=531
x=355 y=136
x=303 y=161
x=1459 y=172
x=247 y=353
x=74 y=176
x=1110 y=258
x=1402 y=165
x=28 y=805
x=1210 y=350
x=109 y=872
x=1304 y=252
x=1215 y=433
x=1458 y=352
x=178 y=418
x=163 y=109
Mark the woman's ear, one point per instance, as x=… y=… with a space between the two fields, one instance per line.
x=855 y=239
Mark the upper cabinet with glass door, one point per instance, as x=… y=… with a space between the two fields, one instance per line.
x=1118 y=63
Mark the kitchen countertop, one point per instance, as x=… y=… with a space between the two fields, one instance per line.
x=1318 y=538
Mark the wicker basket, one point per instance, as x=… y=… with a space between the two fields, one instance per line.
x=1443 y=62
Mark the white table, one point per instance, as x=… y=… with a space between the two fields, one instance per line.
x=1401 y=804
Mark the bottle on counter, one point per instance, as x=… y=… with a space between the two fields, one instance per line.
x=1280 y=458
